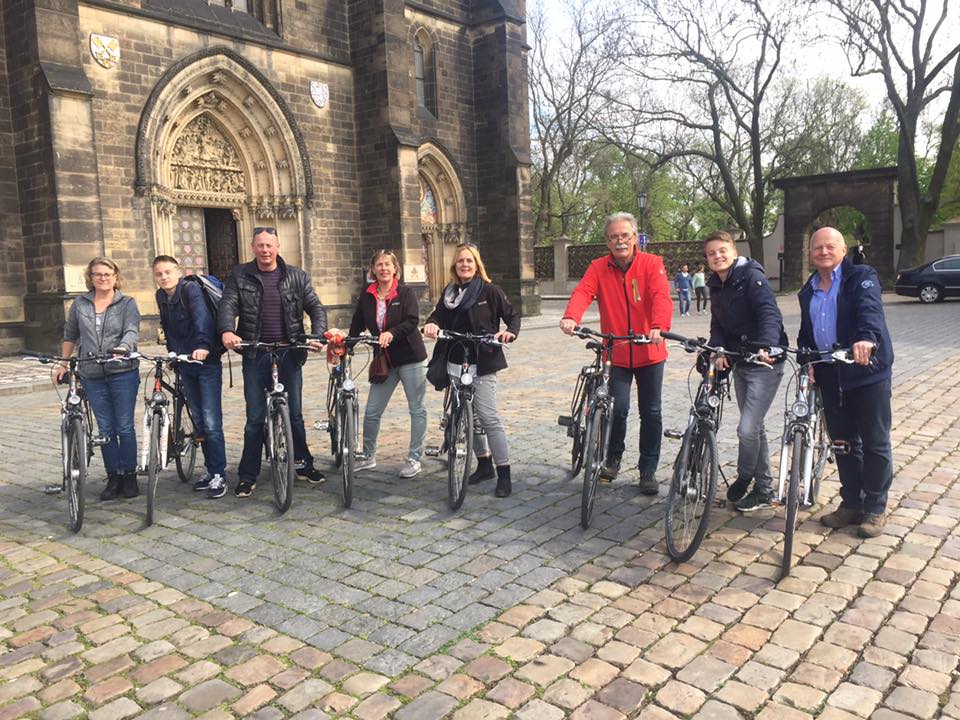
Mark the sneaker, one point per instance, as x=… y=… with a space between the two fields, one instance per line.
x=609 y=471
x=410 y=468
x=872 y=525
x=648 y=484
x=364 y=462
x=203 y=484
x=739 y=488
x=841 y=517
x=312 y=475
x=756 y=499
x=217 y=486
x=244 y=488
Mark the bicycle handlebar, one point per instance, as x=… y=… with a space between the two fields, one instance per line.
x=170 y=357
x=585 y=332
x=696 y=344
x=485 y=339
x=842 y=355
x=272 y=346
x=47 y=359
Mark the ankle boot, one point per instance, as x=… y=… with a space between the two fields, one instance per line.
x=483 y=472
x=130 y=487
x=503 y=481
x=113 y=487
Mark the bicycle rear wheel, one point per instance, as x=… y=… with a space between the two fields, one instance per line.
x=76 y=475
x=348 y=423
x=153 y=465
x=692 y=490
x=282 y=464
x=184 y=445
x=799 y=446
x=593 y=453
x=459 y=452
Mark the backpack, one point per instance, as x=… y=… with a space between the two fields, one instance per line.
x=212 y=289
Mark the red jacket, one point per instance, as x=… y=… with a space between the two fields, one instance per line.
x=637 y=300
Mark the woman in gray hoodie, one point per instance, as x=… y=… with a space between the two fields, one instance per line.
x=105 y=321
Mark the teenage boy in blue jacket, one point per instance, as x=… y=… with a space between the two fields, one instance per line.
x=190 y=329
x=841 y=305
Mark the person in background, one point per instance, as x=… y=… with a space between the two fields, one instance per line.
x=191 y=329
x=105 y=321
x=700 y=289
x=682 y=283
x=471 y=303
x=390 y=311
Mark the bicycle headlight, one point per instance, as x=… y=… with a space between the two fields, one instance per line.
x=466 y=379
x=713 y=401
x=74 y=399
x=158 y=397
x=278 y=387
x=799 y=409
x=602 y=392
x=348 y=384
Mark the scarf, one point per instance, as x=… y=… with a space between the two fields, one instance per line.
x=462 y=297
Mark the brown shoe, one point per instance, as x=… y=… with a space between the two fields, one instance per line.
x=841 y=517
x=609 y=471
x=872 y=525
x=648 y=484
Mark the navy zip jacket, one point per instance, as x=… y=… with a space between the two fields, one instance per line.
x=187 y=322
x=859 y=317
x=743 y=309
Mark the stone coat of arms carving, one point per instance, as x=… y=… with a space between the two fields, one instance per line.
x=105 y=50
x=319 y=93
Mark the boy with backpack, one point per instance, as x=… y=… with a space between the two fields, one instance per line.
x=188 y=315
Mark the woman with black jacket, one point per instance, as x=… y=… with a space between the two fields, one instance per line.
x=389 y=310
x=472 y=304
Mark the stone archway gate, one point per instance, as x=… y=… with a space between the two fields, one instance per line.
x=872 y=192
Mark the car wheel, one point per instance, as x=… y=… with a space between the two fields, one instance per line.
x=930 y=293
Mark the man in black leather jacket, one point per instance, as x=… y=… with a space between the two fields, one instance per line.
x=264 y=300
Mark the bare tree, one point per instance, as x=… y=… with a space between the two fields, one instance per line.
x=913 y=46
x=570 y=66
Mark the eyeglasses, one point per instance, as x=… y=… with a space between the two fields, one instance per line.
x=101 y=276
x=620 y=237
x=268 y=230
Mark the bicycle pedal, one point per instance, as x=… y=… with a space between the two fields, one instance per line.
x=571 y=431
x=99 y=440
x=52 y=489
x=840 y=447
x=673 y=434
x=565 y=421
x=431 y=451
x=322 y=425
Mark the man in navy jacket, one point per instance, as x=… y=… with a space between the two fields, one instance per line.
x=190 y=329
x=841 y=305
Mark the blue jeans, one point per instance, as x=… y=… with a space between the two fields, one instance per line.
x=413 y=376
x=684 y=297
x=256 y=380
x=862 y=418
x=114 y=400
x=756 y=388
x=649 y=384
x=202 y=387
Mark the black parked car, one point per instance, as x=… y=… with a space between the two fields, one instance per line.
x=933 y=281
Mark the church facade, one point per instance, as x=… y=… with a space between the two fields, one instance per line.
x=131 y=128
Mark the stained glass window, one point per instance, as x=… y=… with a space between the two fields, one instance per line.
x=429 y=214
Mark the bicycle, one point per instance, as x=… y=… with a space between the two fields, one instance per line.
x=457 y=422
x=805 y=448
x=590 y=421
x=158 y=437
x=77 y=440
x=343 y=413
x=277 y=430
x=693 y=486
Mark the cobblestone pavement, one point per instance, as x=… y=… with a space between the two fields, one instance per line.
x=398 y=607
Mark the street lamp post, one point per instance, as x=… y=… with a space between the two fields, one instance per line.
x=642 y=204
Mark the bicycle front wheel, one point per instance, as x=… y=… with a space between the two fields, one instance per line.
x=459 y=452
x=593 y=453
x=348 y=425
x=184 y=445
x=282 y=464
x=76 y=472
x=692 y=490
x=799 y=446
x=822 y=454
x=153 y=465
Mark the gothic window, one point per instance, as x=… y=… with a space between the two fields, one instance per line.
x=266 y=11
x=424 y=72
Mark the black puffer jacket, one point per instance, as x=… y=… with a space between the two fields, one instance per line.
x=243 y=292
x=743 y=309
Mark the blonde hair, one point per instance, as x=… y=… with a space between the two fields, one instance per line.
x=398 y=268
x=481 y=270
x=107 y=262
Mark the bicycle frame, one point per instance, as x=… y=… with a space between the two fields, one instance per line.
x=75 y=405
x=802 y=414
x=156 y=404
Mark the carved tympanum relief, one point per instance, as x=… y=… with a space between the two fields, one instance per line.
x=204 y=160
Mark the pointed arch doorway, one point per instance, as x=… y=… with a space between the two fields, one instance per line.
x=442 y=217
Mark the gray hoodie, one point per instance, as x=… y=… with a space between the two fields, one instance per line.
x=121 y=328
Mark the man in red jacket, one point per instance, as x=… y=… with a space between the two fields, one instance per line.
x=633 y=294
